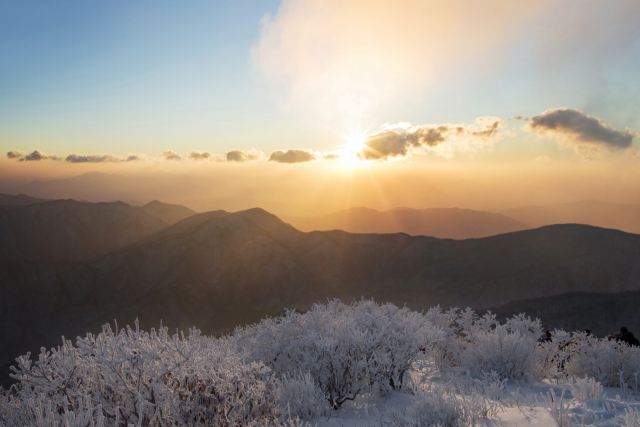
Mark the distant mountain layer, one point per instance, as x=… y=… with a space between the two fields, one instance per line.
x=217 y=270
x=591 y=212
x=442 y=223
x=167 y=213
x=19 y=200
x=66 y=230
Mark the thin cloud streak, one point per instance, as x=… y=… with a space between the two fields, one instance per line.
x=95 y=158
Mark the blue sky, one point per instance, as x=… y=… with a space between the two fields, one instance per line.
x=124 y=76
x=143 y=77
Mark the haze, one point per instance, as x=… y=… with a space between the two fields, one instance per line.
x=306 y=107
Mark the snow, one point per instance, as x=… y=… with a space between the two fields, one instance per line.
x=362 y=364
x=523 y=408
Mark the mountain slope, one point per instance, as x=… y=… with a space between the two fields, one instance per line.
x=71 y=231
x=218 y=270
x=442 y=223
x=166 y=212
x=18 y=200
x=590 y=212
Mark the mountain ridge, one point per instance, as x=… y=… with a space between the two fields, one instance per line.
x=625 y=217
x=453 y=223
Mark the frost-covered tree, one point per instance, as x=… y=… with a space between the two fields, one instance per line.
x=345 y=348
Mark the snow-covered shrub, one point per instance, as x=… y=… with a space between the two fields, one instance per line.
x=432 y=409
x=437 y=408
x=480 y=344
x=553 y=355
x=585 y=388
x=489 y=386
x=602 y=360
x=345 y=348
x=447 y=350
x=40 y=413
x=144 y=379
x=459 y=328
x=631 y=417
x=510 y=354
x=557 y=407
x=301 y=397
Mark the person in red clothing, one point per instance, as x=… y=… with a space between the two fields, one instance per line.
x=546 y=337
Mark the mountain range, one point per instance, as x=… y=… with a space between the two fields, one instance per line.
x=86 y=264
x=593 y=212
x=67 y=230
x=452 y=223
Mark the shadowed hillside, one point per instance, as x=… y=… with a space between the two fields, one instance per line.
x=442 y=223
x=18 y=200
x=217 y=270
x=66 y=230
x=591 y=212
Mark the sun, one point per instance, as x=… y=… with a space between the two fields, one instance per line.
x=355 y=143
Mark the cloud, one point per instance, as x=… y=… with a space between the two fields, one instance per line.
x=300 y=155
x=520 y=118
x=397 y=140
x=632 y=153
x=95 y=158
x=353 y=58
x=197 y=155
x=580 y=130
x=242 y=155
x=293 y=156
x=170 y=155
x=16 y=154
x=133 y=158
x=38 y=155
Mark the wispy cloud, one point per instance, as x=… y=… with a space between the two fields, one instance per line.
x=170 y=155
x=579 y=130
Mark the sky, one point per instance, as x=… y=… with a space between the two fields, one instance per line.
x=491 y=104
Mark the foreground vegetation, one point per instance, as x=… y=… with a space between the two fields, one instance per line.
x=300 y=366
